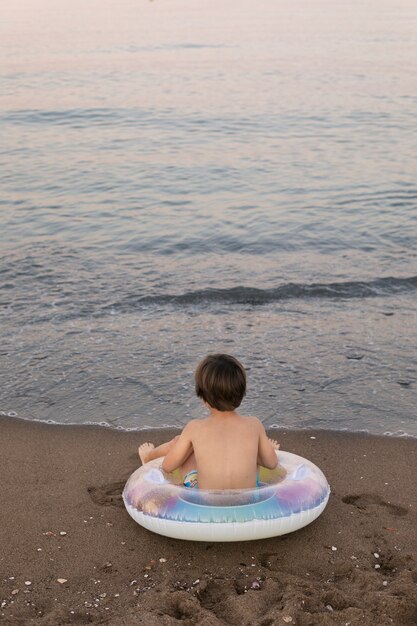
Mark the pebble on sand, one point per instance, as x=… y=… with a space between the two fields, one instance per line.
x=61 y=580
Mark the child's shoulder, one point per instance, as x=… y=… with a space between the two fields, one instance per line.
x=250 y=421
x=254 y=422
x=193 y=426
x=251 y=418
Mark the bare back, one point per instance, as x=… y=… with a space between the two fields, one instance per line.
x=226 y=451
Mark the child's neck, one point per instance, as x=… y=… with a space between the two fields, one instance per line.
x=221 y=414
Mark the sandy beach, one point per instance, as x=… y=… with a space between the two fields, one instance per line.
x=70 y=554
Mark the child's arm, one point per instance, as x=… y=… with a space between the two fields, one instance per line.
x=180 y=451
x=267 y=456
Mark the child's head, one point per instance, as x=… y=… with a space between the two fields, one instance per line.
x=220 y=380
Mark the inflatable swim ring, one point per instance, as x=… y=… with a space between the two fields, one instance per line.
x=290 y=497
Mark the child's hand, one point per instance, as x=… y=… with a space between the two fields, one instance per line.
x=274 y=443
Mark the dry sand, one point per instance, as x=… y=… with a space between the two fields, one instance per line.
x=70 y=554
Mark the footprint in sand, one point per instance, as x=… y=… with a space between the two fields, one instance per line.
x=270 y=560
x=364 y=500
x=107 y=495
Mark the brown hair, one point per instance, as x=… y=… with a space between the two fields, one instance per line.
x=220 y=380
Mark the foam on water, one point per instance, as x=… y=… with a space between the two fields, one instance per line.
x=170 y=427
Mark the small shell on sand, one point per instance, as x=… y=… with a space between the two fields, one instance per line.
x=61 y=580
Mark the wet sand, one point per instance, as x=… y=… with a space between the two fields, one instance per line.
x=71 y=554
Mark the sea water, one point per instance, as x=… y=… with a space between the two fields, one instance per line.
x=181 y=177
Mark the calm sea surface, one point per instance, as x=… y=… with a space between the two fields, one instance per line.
x=181 y=177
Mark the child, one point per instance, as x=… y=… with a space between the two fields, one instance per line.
x=223 y=450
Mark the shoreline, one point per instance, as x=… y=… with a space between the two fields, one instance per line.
x=170 y=428
x=63 y=519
